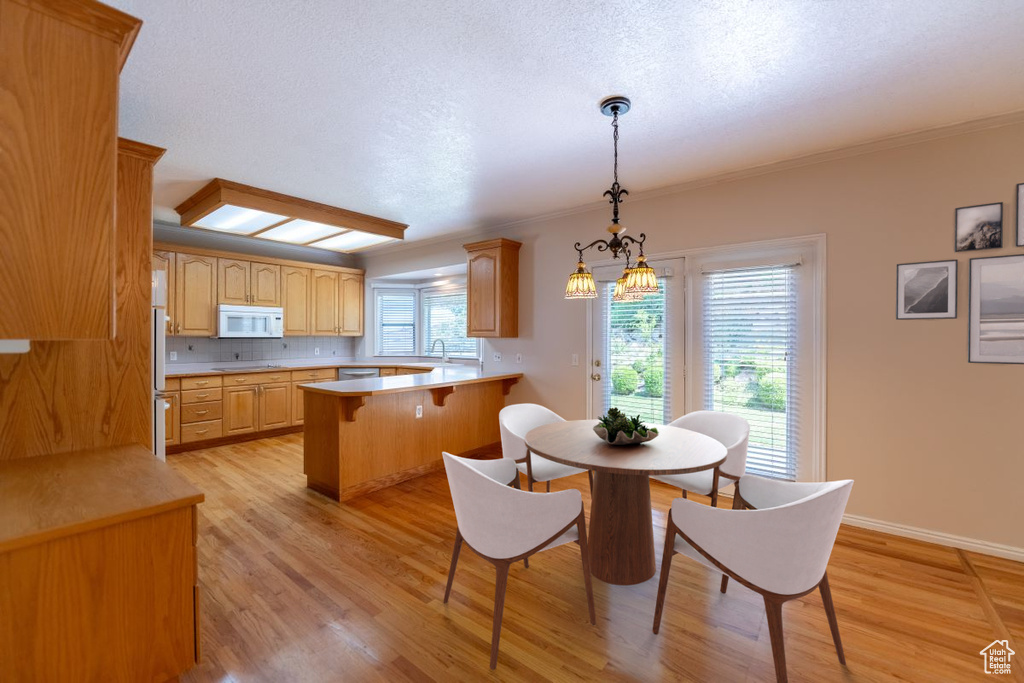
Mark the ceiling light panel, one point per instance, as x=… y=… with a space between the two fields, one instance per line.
x=299 y=231
x=350 y=241
x=238 y=220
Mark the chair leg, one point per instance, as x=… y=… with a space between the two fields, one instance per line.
x=581 y=527
x=725 y=582
x=549 y=486
x=666 y=565
x=774 y=611
x=500 y=583
x=684 y=493
x=830 y=610
x=455 y=561
x=714 y=489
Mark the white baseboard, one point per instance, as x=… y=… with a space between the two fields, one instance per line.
x=985 y=547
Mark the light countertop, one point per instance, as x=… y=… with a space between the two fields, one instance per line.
x=447 y=376
x=226 y=367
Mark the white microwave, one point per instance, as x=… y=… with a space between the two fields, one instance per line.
x=249 y=321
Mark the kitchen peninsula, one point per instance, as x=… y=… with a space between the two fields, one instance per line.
x=367 y=434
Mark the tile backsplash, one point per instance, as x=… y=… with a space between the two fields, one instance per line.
x=206 y=350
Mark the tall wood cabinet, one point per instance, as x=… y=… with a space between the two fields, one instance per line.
x=324 y=308
x=337 y=303
x=195 y=295
x=492 y=288
x=295 y=298
x=59 y=71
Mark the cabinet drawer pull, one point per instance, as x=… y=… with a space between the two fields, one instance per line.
x=275 y=377
x=201 y=395
x=239 y=379
x=202 y=431
x=202 y=412
x=204 y=382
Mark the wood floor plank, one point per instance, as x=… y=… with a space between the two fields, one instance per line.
x=297 y=587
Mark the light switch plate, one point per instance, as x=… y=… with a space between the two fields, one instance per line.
x=316 y=350
x=519 y=358
x=419 y=412
x=575 y=359
x=174 y=355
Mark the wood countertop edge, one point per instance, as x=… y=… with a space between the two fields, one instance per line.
x=316 y=389
x=168 y=374
x=58 y=532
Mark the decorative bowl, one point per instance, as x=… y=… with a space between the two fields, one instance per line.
x=622 y=439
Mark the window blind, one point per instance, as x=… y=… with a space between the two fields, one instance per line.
x=396 y=323
x=749 y=338
x=636 y=344
x=444 y=317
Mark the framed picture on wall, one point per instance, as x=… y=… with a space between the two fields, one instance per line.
x=979 y=227
x=1020 y=215
x=926 y=290
x=997 y=310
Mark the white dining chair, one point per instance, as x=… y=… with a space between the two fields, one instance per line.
x=515 y=421
x=733 y=432
x=780 y=548
x=503 y=525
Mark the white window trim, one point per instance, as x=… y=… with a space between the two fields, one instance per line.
x=415 y=319
x=816 y=467
x=418 y=336
x=421 y=337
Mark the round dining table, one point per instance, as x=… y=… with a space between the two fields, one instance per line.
x=621 y=533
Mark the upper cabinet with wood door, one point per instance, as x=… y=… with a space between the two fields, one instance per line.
x=195 y=295
x=59 y=70
x=164 y=261
x=295 y=298
x=492 y=288
x=350 y=300
x=246 y=283
x=324 y=310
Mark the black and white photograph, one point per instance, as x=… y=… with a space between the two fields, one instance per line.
x=979 y=227
x=926 y=290
x=997 y=310
x=1020 y=215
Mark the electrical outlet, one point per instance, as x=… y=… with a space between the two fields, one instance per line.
x=174 y=355
x=575 y=359
x=519 y=358
x=497 y=357
x=419 y=412
x=316 y=350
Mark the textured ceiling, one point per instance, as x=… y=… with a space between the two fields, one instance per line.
x=453 y=115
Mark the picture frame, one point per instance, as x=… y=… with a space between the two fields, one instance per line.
x=978 y=227
x=996 y=329
x=926 y=290
x=1020 y=215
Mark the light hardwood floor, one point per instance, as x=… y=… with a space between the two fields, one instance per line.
x=297 y=587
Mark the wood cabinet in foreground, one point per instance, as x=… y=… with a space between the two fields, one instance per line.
x=59 y=69
x=492 y=288
x=105 y=587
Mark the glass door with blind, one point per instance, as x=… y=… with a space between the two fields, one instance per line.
x=637 y=348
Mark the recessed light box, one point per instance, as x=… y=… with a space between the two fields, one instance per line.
x=238 y=209
x=351 y=241
x=238 y=220
x=300 y=232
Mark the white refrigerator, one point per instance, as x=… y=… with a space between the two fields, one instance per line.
x=158 y=326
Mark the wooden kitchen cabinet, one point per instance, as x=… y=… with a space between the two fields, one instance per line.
x=164 y=261
x=59 y=71
x=324 y=312
x=195 y=295
x=248 y=283
x=172 y=417
x=492 y=288
x=275 y=406
x=99 y=573
x=350 y=300
x=232 y=282
x=295 y=297
x=298 y=412
x=241 y=410
x=265 y=284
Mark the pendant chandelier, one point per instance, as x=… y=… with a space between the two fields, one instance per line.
x=637 y=280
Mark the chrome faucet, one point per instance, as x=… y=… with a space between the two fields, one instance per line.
x=444 y=353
